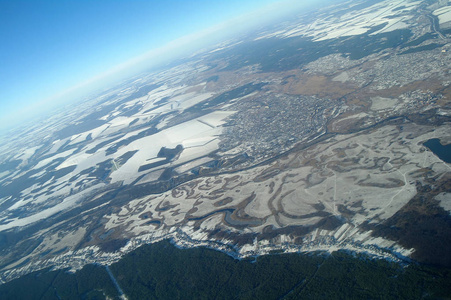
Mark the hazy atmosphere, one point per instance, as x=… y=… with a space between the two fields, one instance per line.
x=225 y=149
x=55 y=51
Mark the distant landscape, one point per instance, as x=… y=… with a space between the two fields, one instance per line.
x=312 y=154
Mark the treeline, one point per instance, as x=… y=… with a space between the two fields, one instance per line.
x=91 y=282
x=162 y=271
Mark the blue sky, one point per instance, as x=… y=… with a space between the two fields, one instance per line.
x=47 y=47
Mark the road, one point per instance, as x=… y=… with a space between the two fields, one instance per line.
x=435 y=26
x=116 y=284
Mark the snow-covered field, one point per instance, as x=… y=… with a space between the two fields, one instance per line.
x=287 y=192
x=443 y=14
x=392 y=15
x=122 y=148
x=199 y=137
x=68 y=202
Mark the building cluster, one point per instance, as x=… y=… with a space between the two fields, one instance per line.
x=269 y=124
